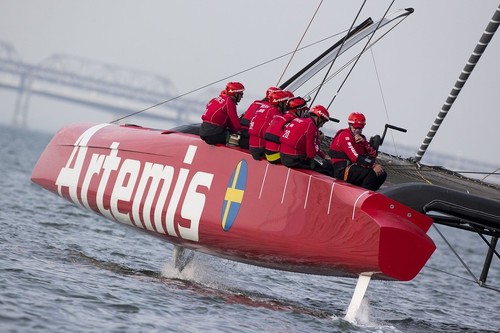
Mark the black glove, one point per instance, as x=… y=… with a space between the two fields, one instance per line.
x=375 y=141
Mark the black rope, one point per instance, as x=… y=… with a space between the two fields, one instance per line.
x=474 y=280
x=340 y=70
x=227 y=77
x=491 y=173
x=300 y=41
x=354 y=58
x=480 y=173
x=366 y=45
x=486 y=241
x=383 y=99
x=456 y=254
x=486 y=286
x=333 y=61
x=450 y=274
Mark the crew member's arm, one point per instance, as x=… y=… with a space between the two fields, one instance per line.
x=370 y=151
x=311 y=142
x=347 y=143
x=234 y=121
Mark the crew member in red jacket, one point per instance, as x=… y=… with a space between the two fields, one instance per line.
x=353 y=158
x=299 y=142
x=221 y=118
x=261 y=120
x=295 y=108
x=246 y=118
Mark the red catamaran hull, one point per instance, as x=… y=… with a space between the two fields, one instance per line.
x=218 y=200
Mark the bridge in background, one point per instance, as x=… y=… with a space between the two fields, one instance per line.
x=110 y=88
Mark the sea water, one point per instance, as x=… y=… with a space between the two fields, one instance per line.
x=63 y=269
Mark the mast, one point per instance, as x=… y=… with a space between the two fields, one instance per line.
x=469 y=67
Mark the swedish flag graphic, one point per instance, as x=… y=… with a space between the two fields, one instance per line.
x=234 y=195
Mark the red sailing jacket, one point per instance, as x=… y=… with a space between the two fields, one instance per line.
x=221 y=111
x=250 y=112
x=301 y=138
x=361 y=153
x=276 y=129
x=259 y=124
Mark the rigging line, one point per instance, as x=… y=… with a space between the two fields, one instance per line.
x=421 y=175
x=353 y=58
x=383 y=98
x=367 y=43
x=486 y=241
x=418 y=167
x=480 y=172
x=490 y=288
x=464 y=278
x=341 y=46
x=456 y=254
x=332 y=76
x=225 y=78
x=469 y=67
x=300 y=41
x=491 y=173
x=451 y=274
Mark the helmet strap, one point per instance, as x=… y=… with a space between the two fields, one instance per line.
x=316 y=120
x=236 y=98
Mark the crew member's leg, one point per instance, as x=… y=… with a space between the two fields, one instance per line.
x=213 y=134
x=365 y=177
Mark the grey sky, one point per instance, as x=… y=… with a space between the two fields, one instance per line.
x=197 y=42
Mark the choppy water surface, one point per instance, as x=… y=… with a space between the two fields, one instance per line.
x=66 y=270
